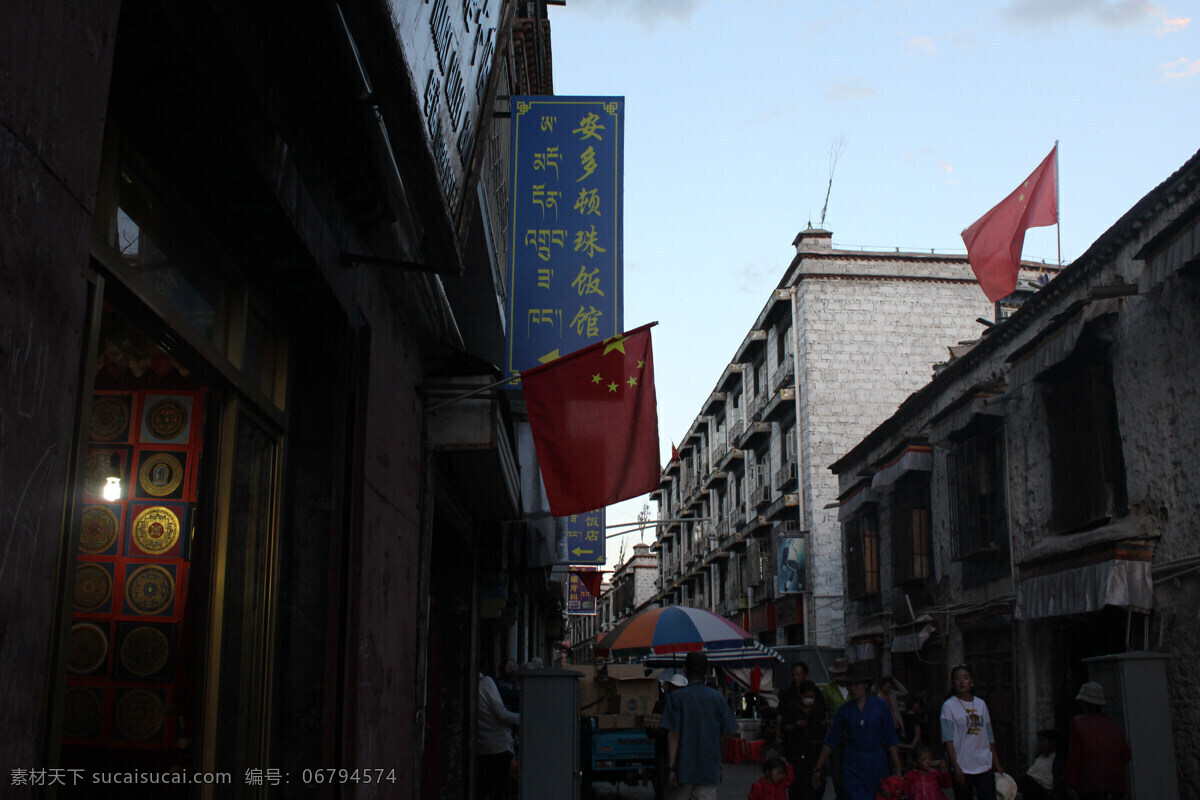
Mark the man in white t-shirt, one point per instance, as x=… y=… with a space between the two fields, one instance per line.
x=970 y=743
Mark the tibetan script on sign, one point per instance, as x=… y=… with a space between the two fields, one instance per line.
x=565 y=249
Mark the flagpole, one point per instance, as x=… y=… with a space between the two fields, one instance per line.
x=473 y=392
x=1057 y=205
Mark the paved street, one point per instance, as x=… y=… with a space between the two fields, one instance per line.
x=738 y=778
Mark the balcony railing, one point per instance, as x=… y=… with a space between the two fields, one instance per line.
x=784 y=373
x=786 y=475
x=756 y=404
x=736 y=425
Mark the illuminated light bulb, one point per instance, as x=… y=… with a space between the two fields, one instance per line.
x=112 y=490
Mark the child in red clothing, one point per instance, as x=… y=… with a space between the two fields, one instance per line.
x=925 y=782
x=773 y=785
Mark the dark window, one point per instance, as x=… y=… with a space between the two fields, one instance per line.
x=978 y=509
x=862 y=554
x=910 y=528
x=1087 y=469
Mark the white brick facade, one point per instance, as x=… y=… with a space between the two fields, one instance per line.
x=870 y=328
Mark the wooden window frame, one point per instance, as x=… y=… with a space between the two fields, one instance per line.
x=910 y=529
x=976 y=472
x=862 y=554
x=1087 y=464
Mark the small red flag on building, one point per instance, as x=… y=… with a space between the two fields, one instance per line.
x=994 y=242
x=594 y=418
x=674 y=452
x=590 y=579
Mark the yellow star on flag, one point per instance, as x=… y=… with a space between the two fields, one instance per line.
x=641 y=364
x=596 y=378
x=632 y=381
x=615 y=343
x=612 y=387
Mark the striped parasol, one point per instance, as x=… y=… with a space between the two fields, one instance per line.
x=666 y=635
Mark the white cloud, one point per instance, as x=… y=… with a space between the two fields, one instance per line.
x=922 y=43
x=945 y=166
x=1181 y=68
x=843 y=88
x=1173 y=25
x=646 y=14
x=1110 y=13
x=754 y=278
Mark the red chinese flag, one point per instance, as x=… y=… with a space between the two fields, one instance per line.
x=591 y=581
x=674 y=452
x=595 y=423
x=994 y=242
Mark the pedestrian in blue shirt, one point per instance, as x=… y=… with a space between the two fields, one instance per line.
x=864 y=726
x=694 y=718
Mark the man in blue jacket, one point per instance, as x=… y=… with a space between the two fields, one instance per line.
x=695 y=717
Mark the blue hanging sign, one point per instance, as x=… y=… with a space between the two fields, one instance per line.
x=565 y=251
x=585 y=537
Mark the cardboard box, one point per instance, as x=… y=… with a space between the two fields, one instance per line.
x=622 y=671
x=616 y=721
x=636 y=695
x=594 y=694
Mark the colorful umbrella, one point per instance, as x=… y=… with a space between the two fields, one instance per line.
x=668 y=634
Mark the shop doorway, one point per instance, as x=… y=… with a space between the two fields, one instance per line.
x=131 y=648
x=171 y=569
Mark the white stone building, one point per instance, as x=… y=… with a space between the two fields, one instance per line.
x=867 y=328
x=1032 y=511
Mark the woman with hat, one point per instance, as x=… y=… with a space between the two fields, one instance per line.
x=863 y=726
x=1098 y=752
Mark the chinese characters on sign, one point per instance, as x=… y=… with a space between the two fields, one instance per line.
x=565 y=256
x=585 y=545
x=579 y=599
x=585 y=538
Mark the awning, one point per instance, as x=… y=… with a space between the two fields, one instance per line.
x=856 y=501
x=1115 y=582
x=755 y=652
x=961 y=417
x=912 y=642
x=915 y=458
x=1184 y=250
x=1058 y=341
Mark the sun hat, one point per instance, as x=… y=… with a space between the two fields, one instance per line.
x=1092 y=692
x=677 y=680
x=840 y=665
x=1006 y=787
x=857 y=673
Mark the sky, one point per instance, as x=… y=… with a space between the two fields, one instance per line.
x=937 y=110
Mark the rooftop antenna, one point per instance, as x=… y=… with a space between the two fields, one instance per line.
x=643 y=518
x=835 y=152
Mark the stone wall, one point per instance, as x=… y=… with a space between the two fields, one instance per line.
x=866 y=343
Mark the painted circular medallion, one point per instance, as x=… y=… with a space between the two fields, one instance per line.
x=156 y=530
x=144 y=651
x=110 y=418
x=150 y=589
x=166 y=419
x=96 y=471
x=139 y=714
x=160 y=474
x=99 y=529
x=87 y=648
x=93 y=587
x=81 y=713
